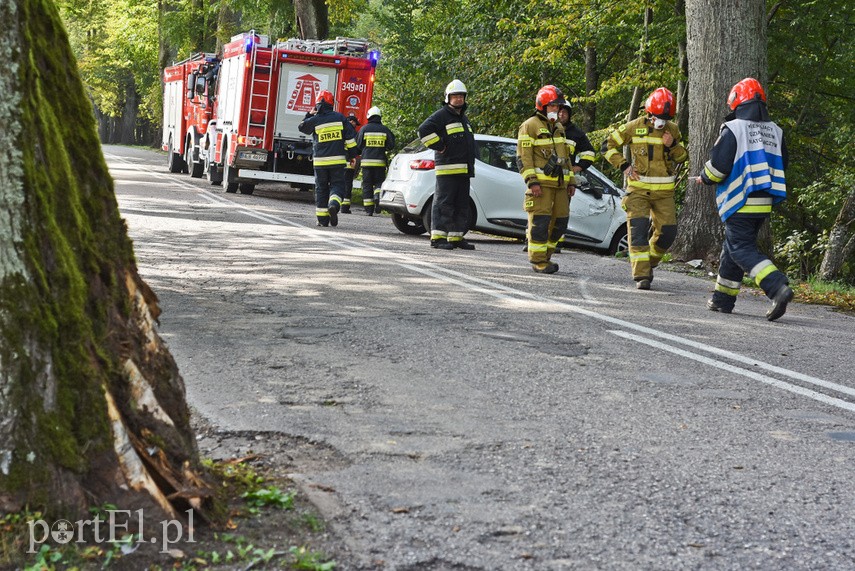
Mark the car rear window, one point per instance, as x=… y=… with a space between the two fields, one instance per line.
x=414 y=146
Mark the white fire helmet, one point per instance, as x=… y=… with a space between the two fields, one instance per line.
x=374 y=111
x=456 y=86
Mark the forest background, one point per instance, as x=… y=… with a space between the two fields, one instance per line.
x=605 y=54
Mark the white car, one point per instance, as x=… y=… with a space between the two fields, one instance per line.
x=496 y=205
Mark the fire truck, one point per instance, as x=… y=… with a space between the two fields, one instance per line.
x=234 y=118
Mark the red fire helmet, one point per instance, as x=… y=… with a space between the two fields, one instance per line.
x=548 y=95
x=324 y=96
x=661 y=103
x=746 y=90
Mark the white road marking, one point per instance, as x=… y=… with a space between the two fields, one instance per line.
x=506 y=293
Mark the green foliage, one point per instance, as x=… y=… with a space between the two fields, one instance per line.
x=268 y=497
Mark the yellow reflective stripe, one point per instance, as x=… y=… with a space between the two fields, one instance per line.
x=651 y=185
x=375 y=140
x=322 y=211
x=524 y=137
x=552 y=245
x=727 y=290
x=616 y=136
x=456 y=168
x=335 y=198
x=542 y=142
x=610 y=153
x=335 y=125
x=656 y=179
x=454 y=127
x=435 y=234
x=728 y=283
x=454 y=130
x=430 y=139
x=761 y=270
x=763 y=209
x=349 y=144
x=542 y=177
x=713 y=173
x=535 y=247
x=327 y=161
x=527 y=173
x=373 y=163
x=639 y=256
x=647 y=140
x=588 y=155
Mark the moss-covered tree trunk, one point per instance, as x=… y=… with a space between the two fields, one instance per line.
x=92 y=407
x=312 y=19
x=726 y=42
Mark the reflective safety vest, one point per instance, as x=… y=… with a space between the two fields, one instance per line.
x=757 y=166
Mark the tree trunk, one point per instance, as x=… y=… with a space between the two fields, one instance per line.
x=841 y=241
x=592 y=82
x=711 y=24
x=312 y=19
x=92 y=407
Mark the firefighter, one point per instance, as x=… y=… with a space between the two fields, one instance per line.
x=655 y=148
x=545 y=163
x=747 y=163
x=374 y=142
x=581 y=151
x=351 y=170
x=450 y=135
x=333 y=145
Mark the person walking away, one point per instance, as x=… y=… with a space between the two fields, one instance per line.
x=543 y=158
x=656 y=149
x=449 y=133
x=333 y=145
x=351 y=170
x=581 y=150
x=747 y=164
x=374 y=142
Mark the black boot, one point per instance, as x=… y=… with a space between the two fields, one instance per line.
x=441 y=243
x=334 y=208
x=779 y=303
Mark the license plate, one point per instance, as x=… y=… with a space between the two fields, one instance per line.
x=249 y=156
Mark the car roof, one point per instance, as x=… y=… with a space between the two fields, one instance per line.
x=480 y=137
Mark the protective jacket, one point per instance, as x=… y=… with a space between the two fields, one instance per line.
x=652 y=161
x=538 y=140
x=374 y=141
x=581 y=151
x=333 y=137
x=747 y=163
x=450 y=135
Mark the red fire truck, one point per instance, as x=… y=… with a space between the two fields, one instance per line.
x=258 y=94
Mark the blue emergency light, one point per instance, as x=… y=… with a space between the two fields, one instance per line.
x=248 y=44
x=373 y=56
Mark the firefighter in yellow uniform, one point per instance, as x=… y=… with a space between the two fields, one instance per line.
x=544 y=161
x=654 y=143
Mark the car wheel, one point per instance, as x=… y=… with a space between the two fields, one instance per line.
x=408 y=225
x=427 y=215
x=246 y=187
x=619 y=242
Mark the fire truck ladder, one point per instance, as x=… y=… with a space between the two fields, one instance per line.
x=258 y=102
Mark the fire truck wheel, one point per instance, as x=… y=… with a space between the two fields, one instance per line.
x=175 y=162
x=229 y=175
x=211 y=171
x=246 y=188
x=195 y=168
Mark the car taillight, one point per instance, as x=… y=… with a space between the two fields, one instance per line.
x=422 y=165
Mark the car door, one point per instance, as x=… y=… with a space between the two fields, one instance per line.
x=497 y=188
x=592 y=208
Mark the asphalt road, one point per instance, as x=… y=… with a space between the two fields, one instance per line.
x=486 y=417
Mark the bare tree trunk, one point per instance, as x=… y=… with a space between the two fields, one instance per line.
x=312 y=19
x=92 y=408
x=711 y=24
x=637 y=92
x=592 y=82
x=682 y=83
x=841 y=241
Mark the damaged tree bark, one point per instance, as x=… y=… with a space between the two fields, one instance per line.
x=92 y=407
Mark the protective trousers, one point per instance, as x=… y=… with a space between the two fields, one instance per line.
x=450 y=210
x=646 y=209
x=348 y=187
x=548 y=215
x=329 y=188
x=372 y=178
x=740 y=256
